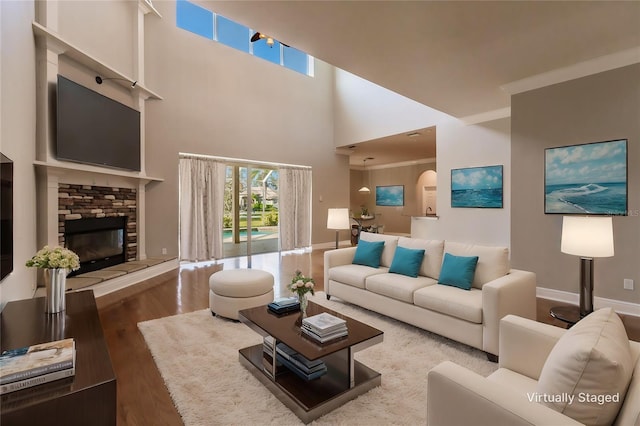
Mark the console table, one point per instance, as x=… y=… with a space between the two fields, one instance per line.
x=88 y=397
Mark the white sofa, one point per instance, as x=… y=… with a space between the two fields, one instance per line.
x=468 y=316
x=590 y=362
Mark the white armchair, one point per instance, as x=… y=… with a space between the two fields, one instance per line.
x=457 y=396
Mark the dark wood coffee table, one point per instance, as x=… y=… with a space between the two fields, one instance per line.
x=345 y=379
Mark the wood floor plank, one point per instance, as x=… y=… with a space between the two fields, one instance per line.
x=143 y=398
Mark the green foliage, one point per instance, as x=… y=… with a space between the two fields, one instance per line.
x=271 y=219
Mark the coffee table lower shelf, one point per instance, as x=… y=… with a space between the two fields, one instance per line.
x=312 y=399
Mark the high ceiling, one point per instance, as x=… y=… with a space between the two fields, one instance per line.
x=454 y=56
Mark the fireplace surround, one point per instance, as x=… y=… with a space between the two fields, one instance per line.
x=98 y=223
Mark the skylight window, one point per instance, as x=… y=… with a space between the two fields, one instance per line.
x=208 y=24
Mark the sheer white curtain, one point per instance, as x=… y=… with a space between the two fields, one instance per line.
x=201 y=208
x=294 y=207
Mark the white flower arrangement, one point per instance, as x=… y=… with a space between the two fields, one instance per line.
x=301 y=284
x=55 y=257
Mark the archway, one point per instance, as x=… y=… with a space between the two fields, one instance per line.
x=427 y=191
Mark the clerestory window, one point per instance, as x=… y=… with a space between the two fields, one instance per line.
x=208 y=24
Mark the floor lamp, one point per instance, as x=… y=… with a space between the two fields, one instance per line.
x=587 y=237
x=338 y=219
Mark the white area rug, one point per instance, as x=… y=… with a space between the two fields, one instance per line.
x=197 y=356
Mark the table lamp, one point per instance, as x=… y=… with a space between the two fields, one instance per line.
x=338 y=219
x=587 y=237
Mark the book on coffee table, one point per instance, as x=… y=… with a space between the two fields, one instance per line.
x=284 y=304
x=324 y=327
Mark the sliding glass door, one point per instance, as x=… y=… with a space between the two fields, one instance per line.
x=250 y=220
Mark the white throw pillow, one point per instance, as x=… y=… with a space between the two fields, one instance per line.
x=588 y=371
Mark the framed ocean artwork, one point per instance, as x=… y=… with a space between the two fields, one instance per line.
x=586 y=179
x=391 y=195
x=480 y=187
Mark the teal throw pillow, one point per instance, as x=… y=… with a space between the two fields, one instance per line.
x=458 y=271
x=407 y=261
x=368 y=253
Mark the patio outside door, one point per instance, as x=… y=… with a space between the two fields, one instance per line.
x=250 y=221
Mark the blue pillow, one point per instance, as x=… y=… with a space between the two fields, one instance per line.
x=368 y=253
x=458 y=271
x=407 y=261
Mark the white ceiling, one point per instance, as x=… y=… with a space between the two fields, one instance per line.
x=459 y=57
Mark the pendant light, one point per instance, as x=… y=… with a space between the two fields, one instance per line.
x=365 y=189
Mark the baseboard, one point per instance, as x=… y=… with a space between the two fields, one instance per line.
x=619 y=306
x=127 y=280
x=331 y=245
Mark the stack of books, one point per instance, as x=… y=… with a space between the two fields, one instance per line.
x=324 y=327
x=298 y=364
x=284 y=305
x=37 y=364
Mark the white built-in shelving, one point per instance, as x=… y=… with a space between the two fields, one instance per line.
x=56 y=43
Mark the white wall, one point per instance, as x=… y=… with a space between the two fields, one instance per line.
x=104 y=29
x=17 y=138
x=460 y=146
x=364 y=111
x=599 y=107
x=224 y=102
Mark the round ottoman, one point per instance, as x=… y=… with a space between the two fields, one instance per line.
x=236 y=289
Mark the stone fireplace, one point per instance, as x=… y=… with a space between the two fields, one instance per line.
x=98 y=223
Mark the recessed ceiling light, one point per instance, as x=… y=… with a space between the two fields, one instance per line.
x=413 y=135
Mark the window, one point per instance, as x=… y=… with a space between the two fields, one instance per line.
x=295 y=60
x=208 y=24
x=233 y=34
x=194 y=18
x=271 y=53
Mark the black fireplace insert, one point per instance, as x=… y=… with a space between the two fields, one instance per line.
x=98 y=242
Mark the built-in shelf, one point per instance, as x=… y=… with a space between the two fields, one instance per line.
x=62 y=47
x=96 y=170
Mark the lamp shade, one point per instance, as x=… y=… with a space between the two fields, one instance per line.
x=338 y=219
x=364 y=190
x=587 y=236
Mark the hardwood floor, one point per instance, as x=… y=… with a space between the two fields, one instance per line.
x=142 y=396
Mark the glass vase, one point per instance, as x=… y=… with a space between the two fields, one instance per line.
x=302 y=298
x=55 y=281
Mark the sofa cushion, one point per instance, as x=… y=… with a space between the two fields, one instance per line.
x=368 y=253
x=433 y=251
x=399 y=287
x=407 y=261
x=493 y=262
x=593 y=357
x=390 y=244
x=453 y=301
x=354 y=275
x=458 y=271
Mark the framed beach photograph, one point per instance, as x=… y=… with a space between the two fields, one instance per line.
x=391 y=195
x=479 y=187
x=586 y=179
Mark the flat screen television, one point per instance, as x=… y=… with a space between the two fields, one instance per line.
x=6 y=216
x=95 y=129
